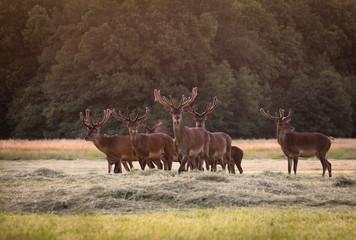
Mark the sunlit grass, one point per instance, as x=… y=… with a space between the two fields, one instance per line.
x=341 y=148
x=69 y=149
x=220 y=223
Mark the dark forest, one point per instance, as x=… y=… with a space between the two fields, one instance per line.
x=60 y=57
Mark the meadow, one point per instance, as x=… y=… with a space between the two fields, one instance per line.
x=78 y=199
x=70 y=149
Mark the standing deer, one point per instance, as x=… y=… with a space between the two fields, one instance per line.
x=118 y=149
x=190 y=142
x=148 y=146
x=299 y=144
x=220 y=143
x=155 y=129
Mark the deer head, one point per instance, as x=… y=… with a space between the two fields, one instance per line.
x=202 y=117
x=175 y=111
x=131 y=124
x=156 y=128
x=282 y=122
x=93 y=129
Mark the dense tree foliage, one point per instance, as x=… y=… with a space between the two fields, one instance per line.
x=60 y=57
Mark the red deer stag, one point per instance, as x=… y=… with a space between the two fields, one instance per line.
x=190 y=142
x=299 y=144
x=155 y=129
x=118 y=149
x=220 y=143
x=155 y=146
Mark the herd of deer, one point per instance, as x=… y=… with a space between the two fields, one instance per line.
x=191 y=147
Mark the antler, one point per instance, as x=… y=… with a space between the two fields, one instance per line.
x=127 y=119
x=211 y=106
x=88 y=122
x=121 y=117
x=107 y=114
x=281 y=113
x=268 y=114
x=187 y=101
x=141 y=119
x=156 y=128
x=170 y=105
x=165 y=103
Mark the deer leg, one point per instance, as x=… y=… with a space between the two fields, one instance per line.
x=109 y=164
x=289 y=164
x=328 y=164
x=118 y=168
x=212 y=164
x=126 y=166
x=240 y=168
x=207 y=164
x=149 y=163
x=170 y=163
x=295 y=165
x=167 y=162
x=182 y=165
x=232 y=168
x=142 y=164
x=223 y=162
x=158 y=163
x=323 y=162
x=131 y=165
x=109 y=167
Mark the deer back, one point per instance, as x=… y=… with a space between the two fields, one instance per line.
x=304 y=144
x=220 y=142
x=236 y=154
x=116 y=146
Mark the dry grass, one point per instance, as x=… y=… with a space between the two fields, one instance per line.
x=70 y=149
x=48 y=149
x=36 y=188
x=341 y=148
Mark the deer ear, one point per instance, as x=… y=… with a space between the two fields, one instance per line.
x=186 y=108
x=288 y=120
x=208 y=116
x=192 y=116
x=168 y=109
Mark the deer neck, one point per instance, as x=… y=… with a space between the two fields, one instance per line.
x=135 y=138
x=179 y=131
x=281 y=136
x=100 y=142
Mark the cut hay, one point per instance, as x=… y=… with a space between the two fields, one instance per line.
x=49 y=191
x=342 y=181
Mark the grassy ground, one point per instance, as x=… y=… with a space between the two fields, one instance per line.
x=79 y=149
x=221 y=223
x=77 y=199
x=84 y=187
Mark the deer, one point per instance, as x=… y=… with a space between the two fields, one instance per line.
x=190 y=142
x=155 y=146
x=220 y=143
x=299 y=144
x=117 y=148
x=156 y=128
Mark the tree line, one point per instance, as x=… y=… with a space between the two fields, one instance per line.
x=61 y=57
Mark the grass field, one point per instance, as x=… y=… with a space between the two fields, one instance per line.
x=68 y=149
x=77 y=199
x=221 y=223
